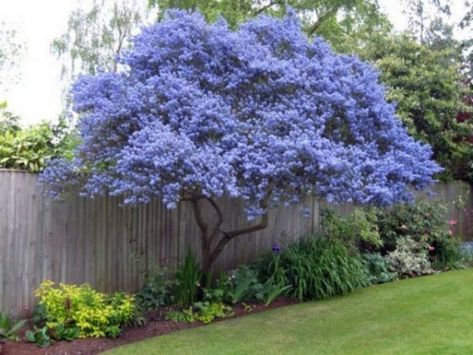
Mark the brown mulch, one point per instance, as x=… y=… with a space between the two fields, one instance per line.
x=156 y=326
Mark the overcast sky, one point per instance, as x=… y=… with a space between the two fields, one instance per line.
x=38 y=95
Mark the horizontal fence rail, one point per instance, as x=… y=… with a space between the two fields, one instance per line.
x=111 y=247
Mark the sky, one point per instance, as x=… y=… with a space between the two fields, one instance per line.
x=38 y=95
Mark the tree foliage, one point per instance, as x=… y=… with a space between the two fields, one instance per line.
x=421 y=14
x=259 y=113
x=96 y=36
x=331 y=19
x=29 y=148
x=426 y=83
x=11 y=50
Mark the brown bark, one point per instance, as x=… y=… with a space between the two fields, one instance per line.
x=214 y=240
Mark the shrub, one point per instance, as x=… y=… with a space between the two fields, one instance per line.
x=187 y=281
x=466 y=252
x=245 y=286
x=39 y=336
x=30 y=148
x=204 y=312
x=315 y=268
x=409 y=258
x=446 y=254
x=358 y=228
x=378 y=268
x=425 y=223
x=9 y=328
x=156 y=291
x=94 y=314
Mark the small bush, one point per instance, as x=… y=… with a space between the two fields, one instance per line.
x=410 y=258
x=94 y=314
x=204 y=312
x=378 y=230
x=315 y=268
x=425 y=223
x=466 y=252
x=156 y=292
x=358 y=228
x=378 y=268
x=39 y=336
x=9 y=328
x=245 y=286
x=187 y=281
x=30 y=148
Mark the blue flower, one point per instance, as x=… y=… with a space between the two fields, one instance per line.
x=259 y=113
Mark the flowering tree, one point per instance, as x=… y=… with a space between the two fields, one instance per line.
x=259 y=113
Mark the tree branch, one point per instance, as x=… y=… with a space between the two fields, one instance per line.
x=220 y=219
x=198 y=216
x=250 y=229
x=264 y=8
x=319 y=22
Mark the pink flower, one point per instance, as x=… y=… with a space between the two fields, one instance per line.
x=431 y=248
x=452 y=222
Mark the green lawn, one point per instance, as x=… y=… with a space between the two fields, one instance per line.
x=428 y=315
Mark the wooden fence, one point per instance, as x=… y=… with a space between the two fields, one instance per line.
x=111 y=247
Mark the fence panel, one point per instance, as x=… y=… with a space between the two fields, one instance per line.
x=111 y=247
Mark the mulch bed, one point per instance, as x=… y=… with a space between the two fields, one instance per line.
x=156 y=326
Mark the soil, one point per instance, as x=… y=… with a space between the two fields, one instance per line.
x=156 y=325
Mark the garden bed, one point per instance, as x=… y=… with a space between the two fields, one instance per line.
x=156 y=326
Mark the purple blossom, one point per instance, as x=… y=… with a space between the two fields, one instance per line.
x=276 y=248
x=251 y=113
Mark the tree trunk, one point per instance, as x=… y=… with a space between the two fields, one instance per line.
x=214 y=238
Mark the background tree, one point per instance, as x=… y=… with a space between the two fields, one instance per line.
x=96 y=36
x=261 y=114
x=332 y=19
x=426 y=83
x=422 y=13
x=234 y=11
x=11 y=50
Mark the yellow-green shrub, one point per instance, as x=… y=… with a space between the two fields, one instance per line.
x=93 y=313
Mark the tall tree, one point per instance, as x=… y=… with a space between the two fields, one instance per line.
x=96 y=36
x=322 y=17
x=425 y=81
x=261 y=114
x=11 y=50
x=421 y=13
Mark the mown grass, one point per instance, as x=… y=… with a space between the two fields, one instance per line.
x=428 y=315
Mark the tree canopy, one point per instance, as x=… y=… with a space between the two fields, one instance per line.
x=260 y=113
x=96 y=36
x=11 y=50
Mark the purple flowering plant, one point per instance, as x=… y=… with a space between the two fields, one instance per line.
x=260 y=113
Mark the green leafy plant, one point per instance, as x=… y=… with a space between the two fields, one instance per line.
x=179 y=316
x=204 y=312
x=30 y=148
x=425 y=223
x=156 y=291
x=207 y=312
x=39 y=336
x=245 y=285
x=187 y=281
x=39 y=316
x=359 y=228
x=316 y=267
x=410 y=258
x=273 y=291
x=94 y=314
x=61 y=332
x=466 y=252
x=378 y=268
x=9 y=328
